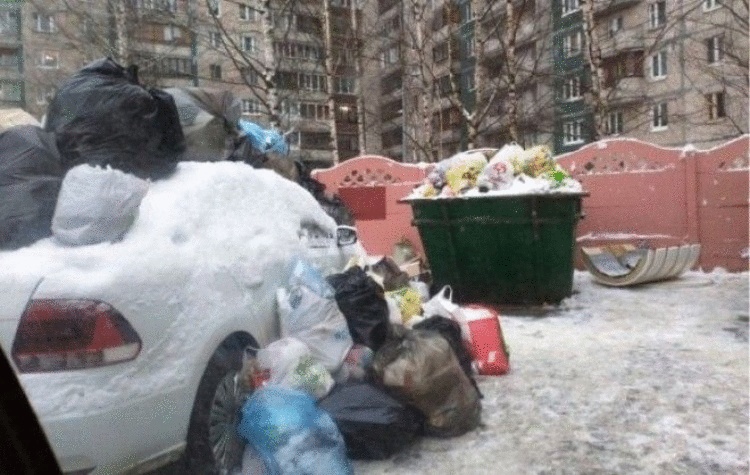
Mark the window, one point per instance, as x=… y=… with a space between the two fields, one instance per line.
x=657 y=14
x=709 y=5
x=290 y=108
x=615 y=25
x=247 y=13
x=49 y=60
x=214 y=7
x=215 y=70
x=163 y=5
x=659 y=119
x=469 y=81
x=716 y=106
x=9 y=23
x=248 y=44
x=250 y=76
x=440 y=52
x=465 y=11
x=572 y=89
x=715 y=49
x=10 y=60
x=44 y=23
x=315 y=140
x=570 y=6
x=45 y=94
x=312 y=82
x=572 y=132
x=614 y=123
x=10 y=91
x=172 y=33
x=659 y=65
x=573 y=44
x=175 y=67
x=344 y=85
x=214 y=39
x=251 y=106
x=390 y=83
x=468 y=47
x=313 y=111
x=444 y=86
x=390 y=55
x=392 y=26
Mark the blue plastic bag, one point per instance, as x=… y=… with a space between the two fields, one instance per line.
x=292 y=435
x=264 y=140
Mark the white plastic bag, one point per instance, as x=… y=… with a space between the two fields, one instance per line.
x=442 y=304
x=316 y=321
x=96 y=205
x=291 y=364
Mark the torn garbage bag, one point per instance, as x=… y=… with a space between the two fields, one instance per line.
x=374 y=424
x=291 y=364
x=102 y=115
x=30 y=177
x=292 y=435
x=420 y=367
x=362 y=301
x=96 y=205
x=308 y=312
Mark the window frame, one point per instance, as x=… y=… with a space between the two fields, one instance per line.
x=247 y=13
x=568 y=44
x=253 y=45
x=659 y=117
x=617 y=21
x=571 y=89
x=659 y=59
x=568 y=7
x=41 y=59
x=50 y=23
x=715 y=49
x=213 y=69
x=251 y=106
x=655 y=19
x=214 y=39
x=710 y=5
x=717 y=105
x=573 y=132
x=616 y=126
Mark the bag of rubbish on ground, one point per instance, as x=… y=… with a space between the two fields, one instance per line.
x=420 y=367
x=96 y=205
x=308 y=311
x=451 y=331
x=442 y=304
x=103 y=116
x=292 y=435
x=362 y=301
x=374 y=424
x=357 y=365
x=30 y=178
x=291 y=364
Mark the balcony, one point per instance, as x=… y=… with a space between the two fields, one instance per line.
x=624 y=40
x=612 y=6
x=627 y=91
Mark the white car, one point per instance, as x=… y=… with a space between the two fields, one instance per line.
x=128 y=350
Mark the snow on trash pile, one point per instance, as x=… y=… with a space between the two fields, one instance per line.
x=508 y=172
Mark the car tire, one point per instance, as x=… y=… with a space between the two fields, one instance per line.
x=213 y=445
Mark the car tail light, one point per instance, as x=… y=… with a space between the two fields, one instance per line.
x=62 y=335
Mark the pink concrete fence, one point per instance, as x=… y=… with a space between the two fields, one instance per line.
x=639 y=194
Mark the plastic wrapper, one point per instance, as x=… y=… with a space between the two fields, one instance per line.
x=292 y=435
x=357 y=364
x=409 y=302
x=420 y=367
x=374 y=425
x=96 y=205
x=264 y=140
x=291 y=364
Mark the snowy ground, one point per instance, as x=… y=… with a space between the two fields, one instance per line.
x=651 y=379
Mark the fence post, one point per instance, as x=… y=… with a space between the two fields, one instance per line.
x=692 y=194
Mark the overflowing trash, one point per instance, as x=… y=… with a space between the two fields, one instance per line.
x=510 y=170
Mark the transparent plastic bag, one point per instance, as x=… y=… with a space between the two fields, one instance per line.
x=291 y=364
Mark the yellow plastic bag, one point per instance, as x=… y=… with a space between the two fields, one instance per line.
x=409 y=302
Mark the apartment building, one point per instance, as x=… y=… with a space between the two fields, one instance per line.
x=675 y=72
x=274 y=62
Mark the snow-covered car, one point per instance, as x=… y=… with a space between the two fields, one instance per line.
x=128 y=350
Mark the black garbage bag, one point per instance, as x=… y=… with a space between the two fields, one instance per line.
x=451 y=331
x=362 y=301
x=30 y=179
x=103 y=116
x=332 y=205
x=374 y=424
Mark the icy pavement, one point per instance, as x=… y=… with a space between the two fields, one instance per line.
x=652 y=379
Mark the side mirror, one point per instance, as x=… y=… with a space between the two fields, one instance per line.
x=346 y=236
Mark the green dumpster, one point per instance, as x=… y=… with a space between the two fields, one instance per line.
x=515 y=249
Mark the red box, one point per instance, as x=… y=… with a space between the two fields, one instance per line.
x=487 y=343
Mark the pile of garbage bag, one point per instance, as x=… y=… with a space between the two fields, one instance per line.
x=366 y=364
x=81 y=176
x=510 y=170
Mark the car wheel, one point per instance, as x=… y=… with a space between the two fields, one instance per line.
x=213 y=445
